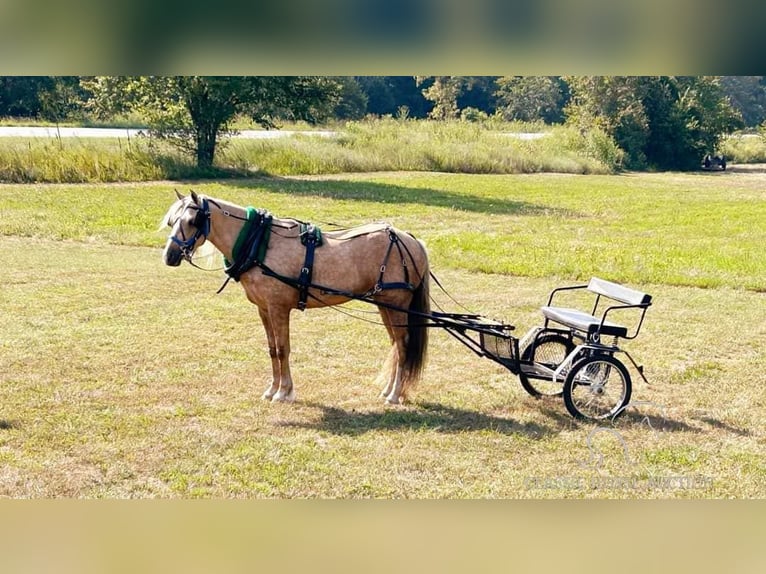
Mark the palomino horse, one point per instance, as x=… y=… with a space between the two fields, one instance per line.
x=375 y=262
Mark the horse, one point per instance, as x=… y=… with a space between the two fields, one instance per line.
x=285 y=264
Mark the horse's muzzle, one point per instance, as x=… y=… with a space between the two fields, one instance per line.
x=172 y=257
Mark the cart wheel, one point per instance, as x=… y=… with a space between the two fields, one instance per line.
x=597 y=387
x=548 y=350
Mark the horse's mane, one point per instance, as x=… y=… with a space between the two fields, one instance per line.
x=165 y=221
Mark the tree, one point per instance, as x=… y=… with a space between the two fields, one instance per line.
x=352 y=104
x=443 y=91
x=62 y=99
x=668 y=122
x=748 y=96
x=19 y=95
x=50 y=97
x=478 y=93
x=530 y=98
x=387 y=94
x=193 y=112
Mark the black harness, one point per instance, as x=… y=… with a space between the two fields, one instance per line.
x=311 y=238
x=381 y=285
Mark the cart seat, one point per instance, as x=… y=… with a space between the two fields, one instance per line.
x=582 y=321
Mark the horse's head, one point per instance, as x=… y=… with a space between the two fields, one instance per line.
x=189 y=220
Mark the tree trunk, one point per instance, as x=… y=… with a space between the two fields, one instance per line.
x=206 y=142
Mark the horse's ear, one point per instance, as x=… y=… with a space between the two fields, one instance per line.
x=194 y=197
x=178 y=195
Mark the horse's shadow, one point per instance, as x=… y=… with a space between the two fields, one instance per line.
x=420 y=416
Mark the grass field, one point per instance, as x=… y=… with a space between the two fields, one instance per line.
x=120 y=377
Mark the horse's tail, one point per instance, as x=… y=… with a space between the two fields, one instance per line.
x=417 y=329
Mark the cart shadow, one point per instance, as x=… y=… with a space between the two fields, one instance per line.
x=418 y=416
x=660 y=423
x=396 y=194
x=630 y=419
x=724 y=426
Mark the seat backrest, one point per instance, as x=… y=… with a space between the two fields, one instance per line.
x=619 y=293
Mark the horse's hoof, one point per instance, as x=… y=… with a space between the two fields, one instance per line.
x=282 y=397
x=393 y=401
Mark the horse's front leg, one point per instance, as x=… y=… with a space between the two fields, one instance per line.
x=272 y=389
x=280 y=322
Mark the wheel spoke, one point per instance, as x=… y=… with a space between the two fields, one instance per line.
x=597 y=387
x=549 y=350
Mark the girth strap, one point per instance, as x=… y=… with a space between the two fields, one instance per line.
x=311 y=237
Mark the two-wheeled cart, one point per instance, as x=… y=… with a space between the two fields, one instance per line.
x=574 y=353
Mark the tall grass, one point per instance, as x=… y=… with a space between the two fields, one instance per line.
x=745 y=148
x=372 y=145
x=75 y=160
x=407 y=145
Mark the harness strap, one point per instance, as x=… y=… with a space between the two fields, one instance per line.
x=311 y=237
x=381 y=285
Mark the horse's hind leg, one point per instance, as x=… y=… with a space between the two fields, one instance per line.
x=388 y=373
x=396 y=322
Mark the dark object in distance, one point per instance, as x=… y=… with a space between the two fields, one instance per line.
x=714 y=163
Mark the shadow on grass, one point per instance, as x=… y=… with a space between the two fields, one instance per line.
x=5 y=424
x=420 y=416
x=725 y=426
x=629 y=419
x=396 y=194
x=658 y=422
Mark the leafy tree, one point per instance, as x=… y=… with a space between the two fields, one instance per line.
x=379 y=92
x=443 y=91
x=353 y=101
x=51 y=97
x=193 y=112
x=530 y=98
x=478 y=93
x=407 y=93
x=19 y=95
x=613 y=104
x=387 y=94
x=669 y=122
x=748 y=96
x=62 y=99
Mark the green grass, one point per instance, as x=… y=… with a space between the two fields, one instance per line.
x=702 y=230
x=120 y=377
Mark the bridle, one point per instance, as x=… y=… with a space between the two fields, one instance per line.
x=201 y=223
